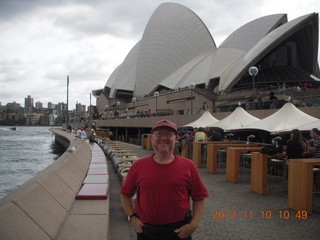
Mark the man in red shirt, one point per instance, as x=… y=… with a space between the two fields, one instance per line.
x=164 y=183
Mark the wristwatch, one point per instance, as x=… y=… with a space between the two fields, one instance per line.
x=131 y=216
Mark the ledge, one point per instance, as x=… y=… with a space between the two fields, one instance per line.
x=45 y=205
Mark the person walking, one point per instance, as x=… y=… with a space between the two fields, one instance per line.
x=164 y=183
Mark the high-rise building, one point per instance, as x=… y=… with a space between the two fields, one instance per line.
x=80 y=107
x=51 y=105
x=28 y=102
x=39 y=105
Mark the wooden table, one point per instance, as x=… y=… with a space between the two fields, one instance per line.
x=121 y=151
x=126 y=154
x=233 y=161
x=259 y=171
x=129 y=159
x=119 y=148
x=185 y=148
x=212 y=153
x=196 y=152
x=124 y=165
x=124 y=174
x=300 y=183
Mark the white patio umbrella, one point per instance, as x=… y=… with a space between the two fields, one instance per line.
x=237 y=119
x=288 y=117
x=205 y=119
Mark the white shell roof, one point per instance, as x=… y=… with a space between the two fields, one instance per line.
x=177 y=49
x=232 y=74
x=125 y=72
x=175 y=39
x=242 y=40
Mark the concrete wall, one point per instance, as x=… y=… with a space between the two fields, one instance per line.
x=38 y=209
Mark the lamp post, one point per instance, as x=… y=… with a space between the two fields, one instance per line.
x=253 y=71
x=191 y=87
x=67 y=102
x=90 y=110
x=156 y=94
x=134 y=105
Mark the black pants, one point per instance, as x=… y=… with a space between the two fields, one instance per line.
x=142 y=236
x=163 y=232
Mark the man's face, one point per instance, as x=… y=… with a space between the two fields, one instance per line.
x=312 y=134
x=163 y=140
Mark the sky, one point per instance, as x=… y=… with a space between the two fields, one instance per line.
x=44 y=41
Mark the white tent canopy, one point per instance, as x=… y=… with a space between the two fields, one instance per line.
x=237 y=119
x=205 y=120
x=288 y=117
x=307 y=127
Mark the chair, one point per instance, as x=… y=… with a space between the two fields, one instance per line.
x=316 y=177
x=222 y=152
x=245 y=161
x=278 y=168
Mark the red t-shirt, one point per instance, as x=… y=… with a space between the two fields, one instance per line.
x=163 y=190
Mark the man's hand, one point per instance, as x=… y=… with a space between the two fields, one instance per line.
x=136 y=222
x=185 y=230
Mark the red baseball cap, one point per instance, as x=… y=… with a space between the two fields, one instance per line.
x=164 y=123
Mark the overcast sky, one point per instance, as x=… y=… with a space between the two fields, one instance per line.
x=43 y=41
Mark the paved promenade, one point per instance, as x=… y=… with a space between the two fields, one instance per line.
x=257 y=217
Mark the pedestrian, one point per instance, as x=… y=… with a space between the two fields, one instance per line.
x=164 y=183
x=204 y=107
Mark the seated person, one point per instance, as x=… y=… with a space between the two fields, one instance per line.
x=315 y=148
x=295 y=145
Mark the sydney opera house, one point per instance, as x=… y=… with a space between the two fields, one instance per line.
x=176 y=67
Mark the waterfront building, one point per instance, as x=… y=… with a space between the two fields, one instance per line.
x=176 y=67
x=33 y=119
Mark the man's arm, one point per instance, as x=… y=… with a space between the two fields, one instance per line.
x=186 y=230
x=129 y=210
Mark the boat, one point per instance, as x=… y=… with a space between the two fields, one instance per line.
x=13 y=128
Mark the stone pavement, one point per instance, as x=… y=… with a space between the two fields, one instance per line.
x=256 y=216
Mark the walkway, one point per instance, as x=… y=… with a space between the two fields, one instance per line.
x=257 y=217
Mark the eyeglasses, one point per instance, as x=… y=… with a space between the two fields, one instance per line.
x=166 y=134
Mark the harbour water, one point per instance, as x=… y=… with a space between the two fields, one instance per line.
x=23 y=154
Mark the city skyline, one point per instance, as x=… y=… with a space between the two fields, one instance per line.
x=44 y=103
x=42 y=43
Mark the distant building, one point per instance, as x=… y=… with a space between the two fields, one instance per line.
x=32 y=118
x=13 y=107
x=28 y=102
x=51 y=105
x=60 y=107
x=39 y=105
x=80 y=107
